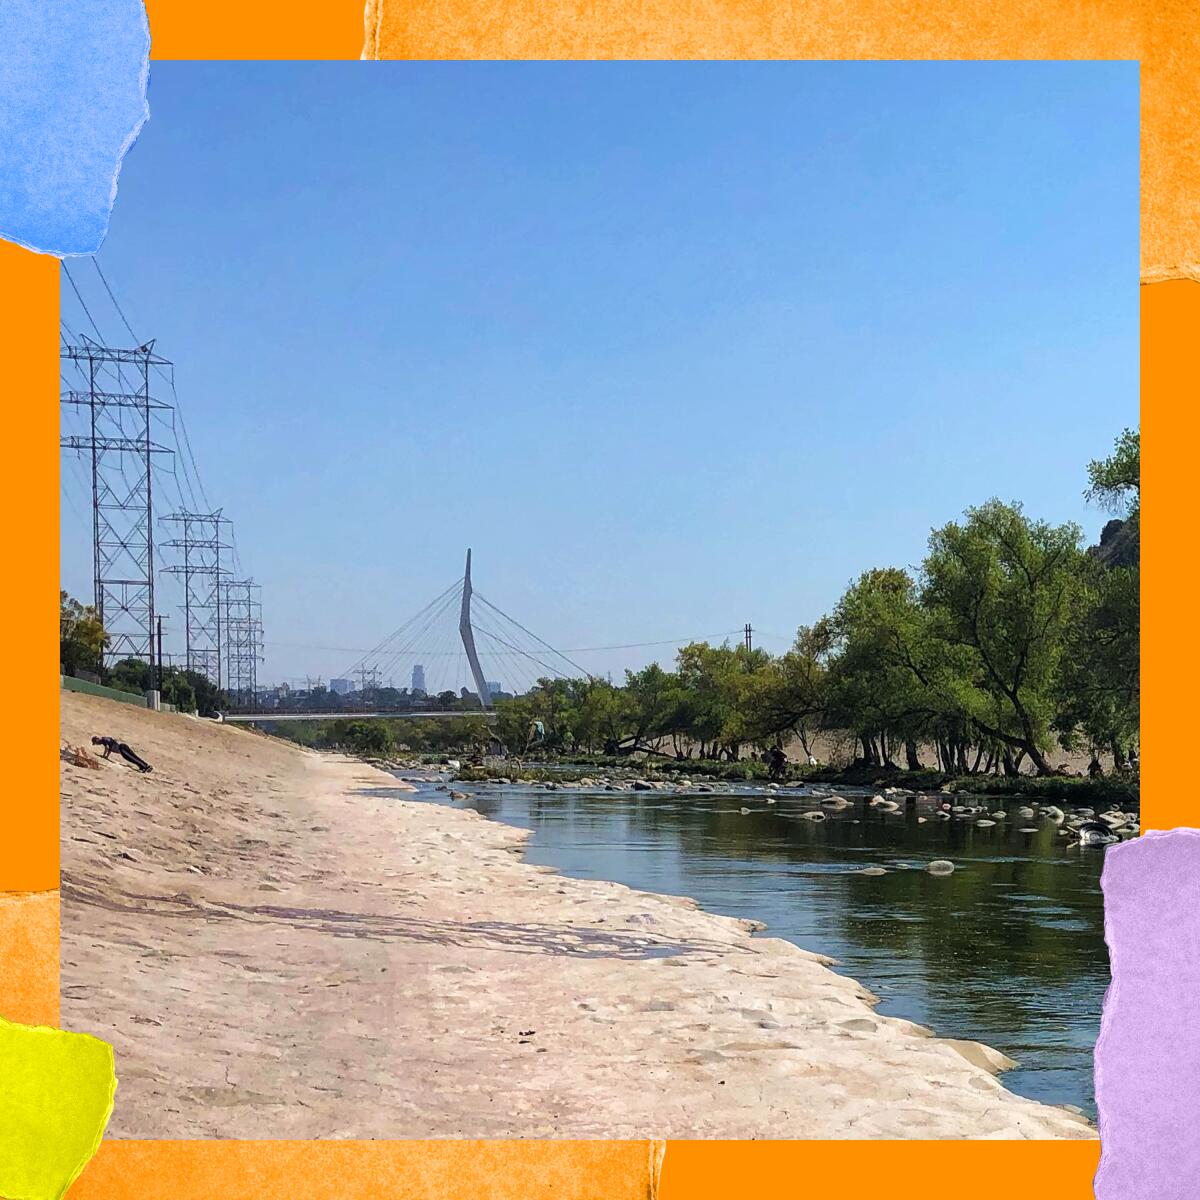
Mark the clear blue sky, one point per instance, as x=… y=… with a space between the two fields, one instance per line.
x=673 y=347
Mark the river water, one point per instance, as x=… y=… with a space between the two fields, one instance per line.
x=1008 y=950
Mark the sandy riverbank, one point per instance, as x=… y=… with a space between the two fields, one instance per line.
x=277 y=949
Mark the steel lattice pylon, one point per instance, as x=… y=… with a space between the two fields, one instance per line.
x=119 y=441
x=199 y=546
x=243 y=638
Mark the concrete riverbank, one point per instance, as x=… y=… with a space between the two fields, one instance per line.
x=277 y=947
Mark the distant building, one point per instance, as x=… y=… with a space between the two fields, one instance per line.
x=342 y=687
x=418 y=680
x=494 y=686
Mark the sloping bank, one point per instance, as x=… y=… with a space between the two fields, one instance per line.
x=276 y=948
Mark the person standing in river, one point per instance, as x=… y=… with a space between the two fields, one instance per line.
x=777 y=762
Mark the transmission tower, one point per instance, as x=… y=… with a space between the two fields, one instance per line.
x=243 y=638
x=199 y=547
x=122 y=455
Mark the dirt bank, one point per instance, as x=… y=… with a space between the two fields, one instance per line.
x=279 y=948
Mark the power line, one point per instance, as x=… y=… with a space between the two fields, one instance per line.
x=87 y=312
x=120 y=311
x=570 y=649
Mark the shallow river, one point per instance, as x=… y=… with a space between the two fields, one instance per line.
x=1009 y=950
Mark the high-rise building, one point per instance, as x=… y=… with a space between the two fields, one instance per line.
x=418 y=679
x=493 y=686
x=343 y=687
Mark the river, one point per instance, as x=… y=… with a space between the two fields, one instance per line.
x=1008 y=950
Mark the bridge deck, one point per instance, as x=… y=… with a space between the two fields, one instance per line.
x=393 y=714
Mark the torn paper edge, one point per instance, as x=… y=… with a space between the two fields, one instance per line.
x=90 y=1151
x=126 y=146
x=1112 y=992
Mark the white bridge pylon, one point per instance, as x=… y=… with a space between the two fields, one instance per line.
x=487 y=643
x=468 y=640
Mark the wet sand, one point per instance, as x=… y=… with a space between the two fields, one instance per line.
x=277 y=948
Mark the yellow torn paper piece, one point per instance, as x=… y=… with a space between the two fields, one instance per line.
x=56 y=1095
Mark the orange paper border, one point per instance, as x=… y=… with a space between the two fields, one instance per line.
x=1161 y=35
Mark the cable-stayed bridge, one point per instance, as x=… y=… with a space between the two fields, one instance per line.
x=459 y=637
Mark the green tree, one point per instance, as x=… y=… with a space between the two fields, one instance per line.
x=882 y=685
x=372 y=738
x=1101 y=678
x=131 y=675
x=178 y=689
x=716 y=683
x=1115 y=482
x=207 y=698
x=81 y=636
x=1100 y=681
x=791 y=693
x=1002 y=588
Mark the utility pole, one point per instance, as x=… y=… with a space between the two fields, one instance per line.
x=748 y=633
x=199 y=548
x=121 y=447
x=160 y=657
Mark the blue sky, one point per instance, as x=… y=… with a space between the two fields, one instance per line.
x=673 y=347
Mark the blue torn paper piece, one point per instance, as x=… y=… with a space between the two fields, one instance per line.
x=72 y=100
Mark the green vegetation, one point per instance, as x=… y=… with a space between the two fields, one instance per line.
x=1009 y=642
x=81 y=637
x=381 y=737
x=82 y=640
x=189 y=690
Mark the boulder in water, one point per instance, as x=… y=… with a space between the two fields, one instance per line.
x=940 y=866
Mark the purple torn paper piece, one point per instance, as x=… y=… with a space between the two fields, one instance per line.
x=72 y=100
x=1148 y=1052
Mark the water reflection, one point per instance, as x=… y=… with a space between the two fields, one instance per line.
x=1008 y=950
